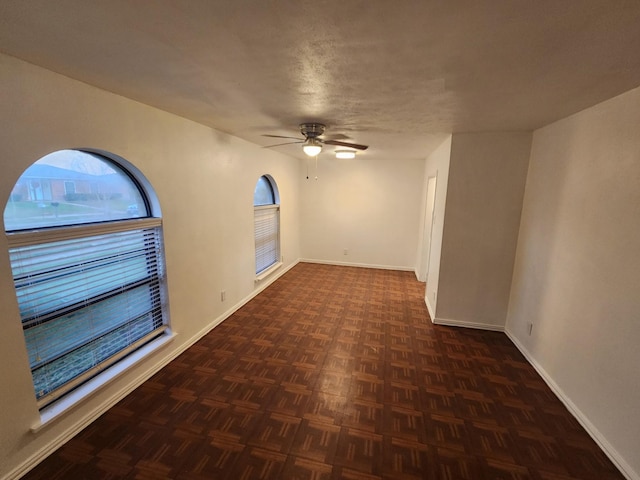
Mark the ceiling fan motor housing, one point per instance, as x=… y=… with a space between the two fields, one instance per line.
x=312 y=130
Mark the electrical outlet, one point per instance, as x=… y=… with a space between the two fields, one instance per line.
x=223 y=295
x=345 y=251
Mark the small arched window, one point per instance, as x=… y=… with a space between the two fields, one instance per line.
x=266 y=224
x=88 y=267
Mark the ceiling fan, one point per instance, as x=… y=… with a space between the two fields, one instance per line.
x=312 y=143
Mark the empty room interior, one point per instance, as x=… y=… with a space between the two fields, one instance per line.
x=379 y=239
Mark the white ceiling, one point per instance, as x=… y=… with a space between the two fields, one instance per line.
x=396 y=75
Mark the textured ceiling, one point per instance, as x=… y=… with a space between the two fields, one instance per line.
x=396 y=75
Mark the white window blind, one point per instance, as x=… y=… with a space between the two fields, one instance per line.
x=267 y=235
x=87 y=301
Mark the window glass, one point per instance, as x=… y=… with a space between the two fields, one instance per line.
x=72 y=187
x=266 y=224
x=91 y=294
x=263 y=193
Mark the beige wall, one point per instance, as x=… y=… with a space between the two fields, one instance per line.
x=204 y=180
x=577 y=262
x=369 y=207
x=436 y=165
x=577 y=270
x=484 y=198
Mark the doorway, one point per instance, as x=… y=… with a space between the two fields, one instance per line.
x=428 y=227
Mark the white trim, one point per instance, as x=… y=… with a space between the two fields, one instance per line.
x=56 y=443
x=63 y=438
x=66 y=396
x=268 y=271
x=221 y=318
x=72 y=399
x=464 y=324
x=415 y=270
x=360 y=265
x=432 y=312
x=595 y=434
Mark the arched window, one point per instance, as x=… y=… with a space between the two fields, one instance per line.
x=266 y=216
x=88 y=267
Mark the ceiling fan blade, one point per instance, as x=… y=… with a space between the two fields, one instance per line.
x=281 y=144
x=345 y=144
x=282 y=136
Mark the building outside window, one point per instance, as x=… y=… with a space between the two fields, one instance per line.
x=89 y=276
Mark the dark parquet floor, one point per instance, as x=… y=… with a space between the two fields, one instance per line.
x=337 y=372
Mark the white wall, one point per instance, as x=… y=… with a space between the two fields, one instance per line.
x=487 y=175
x=204 y=180
x=436 y=165
x=369 y=207
x=577 y=270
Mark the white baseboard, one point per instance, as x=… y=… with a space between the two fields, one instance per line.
x=39 y=456
x=86 y=420
x=360 y=265
x=465 y=324
x=602 y=442
x=432 y=311
x=264 y=283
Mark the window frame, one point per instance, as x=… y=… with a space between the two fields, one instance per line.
x=259 y=212
x=76 y=389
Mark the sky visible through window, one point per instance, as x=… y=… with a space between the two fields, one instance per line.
x=71 y=187
x=263 y=193
x=87 y=296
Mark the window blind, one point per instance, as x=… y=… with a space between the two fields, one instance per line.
x=267 y=232
x=86 y=302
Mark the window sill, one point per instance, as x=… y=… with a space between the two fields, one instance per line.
x=62 y=406
x=265 y=273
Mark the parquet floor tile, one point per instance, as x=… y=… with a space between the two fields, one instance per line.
x=337 y=373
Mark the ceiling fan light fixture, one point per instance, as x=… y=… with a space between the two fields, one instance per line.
x=348 y=154
x=312 y=147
